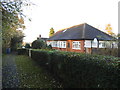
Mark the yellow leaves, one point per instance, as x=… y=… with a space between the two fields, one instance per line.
x=110 y=32
x=21 y=20
x=109 y=29
x=51 y=33
x=109 y=24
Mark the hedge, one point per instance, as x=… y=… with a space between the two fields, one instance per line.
x=77 y=70
x=23 y=51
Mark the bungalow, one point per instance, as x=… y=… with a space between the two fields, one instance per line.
x=79 y=38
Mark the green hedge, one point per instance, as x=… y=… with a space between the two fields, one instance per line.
x=77 y=70
x=23 y=51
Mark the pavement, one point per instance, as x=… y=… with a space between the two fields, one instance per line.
x=10 y=77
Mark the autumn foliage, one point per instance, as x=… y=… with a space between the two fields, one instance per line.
x=51 y=33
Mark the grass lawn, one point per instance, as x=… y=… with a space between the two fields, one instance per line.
x=32 y=75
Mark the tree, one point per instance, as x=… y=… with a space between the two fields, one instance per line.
x=27 y=45
x=109 y=29
x=49 y=47
x=12 y=19
x=12 y=16
x=16 y=41
x=38 y=44
x=51 y=33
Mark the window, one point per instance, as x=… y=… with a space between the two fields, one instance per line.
x=62 y=44
x=76 y=45
x=54 y=44
x=58 y=43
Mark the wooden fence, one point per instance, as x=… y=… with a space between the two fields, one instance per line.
x=106 y=51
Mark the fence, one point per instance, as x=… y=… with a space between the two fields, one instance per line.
x=106 y=51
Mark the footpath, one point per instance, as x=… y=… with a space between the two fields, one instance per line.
x=9 y=72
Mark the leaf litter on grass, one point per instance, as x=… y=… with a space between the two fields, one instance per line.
x=32 y=75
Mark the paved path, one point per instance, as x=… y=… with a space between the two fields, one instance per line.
x=9 y=72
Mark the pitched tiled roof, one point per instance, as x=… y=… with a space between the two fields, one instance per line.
x=80 y=32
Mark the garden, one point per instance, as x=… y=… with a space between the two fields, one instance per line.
x=77 y=70
x=41 y=67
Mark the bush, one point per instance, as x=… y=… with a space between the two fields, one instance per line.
x=40 y=57
x=77 y=70
x=38 y=44
x=49 y=47
x=27 y=45
x=22 y=51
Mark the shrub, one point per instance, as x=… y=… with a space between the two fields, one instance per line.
x=77 y=70
x=38 y=44
x=49 y=47
x=22 y=51
x=27 y=45
x=41 y=58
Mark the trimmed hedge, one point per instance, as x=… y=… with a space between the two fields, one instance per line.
x=77 y=70
x=23 y=51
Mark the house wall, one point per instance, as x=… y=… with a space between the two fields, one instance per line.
x=88 y=44
x=69 y=46
x=85 y=45
x=91 y=44
x=102 y=44
x=76 y=50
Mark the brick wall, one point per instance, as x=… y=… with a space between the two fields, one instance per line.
x=69 y=46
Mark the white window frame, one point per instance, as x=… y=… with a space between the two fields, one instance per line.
x=60 y=44
x=76 y=45
x=54 y=43
x=63 y=44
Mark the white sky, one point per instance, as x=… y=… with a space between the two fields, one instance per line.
x=61 y=14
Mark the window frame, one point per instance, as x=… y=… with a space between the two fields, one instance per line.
x=76 y=43
x=62 y=44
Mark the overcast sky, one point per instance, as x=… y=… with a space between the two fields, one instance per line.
x=61 y=14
